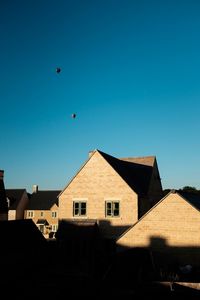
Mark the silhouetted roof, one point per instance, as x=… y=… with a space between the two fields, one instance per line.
x=14 y=195
x=136 y=172
x=43 y=200
x=192 y=198
x=42 y=221
x=3 y=201
x=19 y=233
x=74 y=229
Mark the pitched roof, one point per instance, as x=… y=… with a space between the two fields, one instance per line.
x=42 y=222
x=19 y=234
x=14 y=195
x=144 y=160
x=136 y=171
x=43 y=200
x=77 y=229
x=193 y=199
x=3 y=202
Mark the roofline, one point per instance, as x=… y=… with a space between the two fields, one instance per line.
x=47 y=191
x=140 y=157
x=161 y=200
x=15 y=189
x=101 y=153
x=82 y=166
x=117 y=172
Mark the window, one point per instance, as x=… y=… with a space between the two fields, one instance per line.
x=42 y=214
x=54 y=227
x=30 y=214
x=112 y=208
x=54 y=214
x=79 y=209
x=8 y=202
x=41 y=228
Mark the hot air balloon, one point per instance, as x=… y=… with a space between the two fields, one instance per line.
x=73 y=116
x=58 y=70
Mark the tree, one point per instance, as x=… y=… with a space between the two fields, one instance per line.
x=190 y=189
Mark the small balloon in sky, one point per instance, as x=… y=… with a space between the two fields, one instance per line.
x=58 y=70
x=73 y=116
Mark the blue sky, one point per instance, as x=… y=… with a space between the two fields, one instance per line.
x=130 y=71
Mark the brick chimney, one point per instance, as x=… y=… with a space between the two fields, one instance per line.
x=3 y=200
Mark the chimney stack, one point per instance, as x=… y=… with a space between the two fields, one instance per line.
x=1 y=174
x=35 y=188
x=3 y=199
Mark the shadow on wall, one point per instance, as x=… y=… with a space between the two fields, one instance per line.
x=157 y=262
x=81 y=256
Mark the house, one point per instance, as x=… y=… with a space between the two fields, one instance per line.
x=22 y=251
x=171 y=228
x=17 y=200
x=3 y=201
x=43 y=210
x=114 y=191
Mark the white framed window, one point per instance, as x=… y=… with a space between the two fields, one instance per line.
x=54 y=227
x=79 y=208
x=30 y=214
x=41 y=228
x=112 y=208
x=42 y=214
x=54 y=214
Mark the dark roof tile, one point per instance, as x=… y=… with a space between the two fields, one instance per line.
x=43 y=200
x=192 y=198
x=136 y=172
x=14 y=195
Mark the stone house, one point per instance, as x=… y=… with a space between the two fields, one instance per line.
x=170 y=228
x=43 y=210
x=17 y=200
x=115 y=192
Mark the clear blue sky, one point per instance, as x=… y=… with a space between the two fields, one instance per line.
x=130 y=71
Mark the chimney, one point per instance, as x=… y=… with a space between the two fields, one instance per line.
x=3 y=200
x=35 y=188
x=1 y=174
x=91 y=152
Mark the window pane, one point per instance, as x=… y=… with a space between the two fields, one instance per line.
x=76 y=208
x=76 y=211
x=108 y=208
x=41 y=228
x=55 y=214
x=83 y=208
x=116 y=208
x=83 y=211
x=83 y=205
x=76 y=205
x=116 y=205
